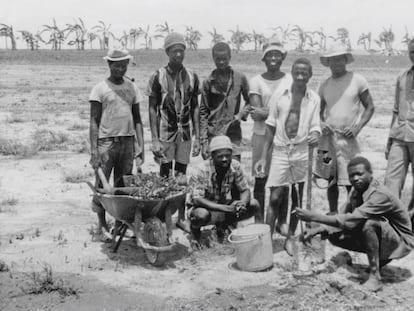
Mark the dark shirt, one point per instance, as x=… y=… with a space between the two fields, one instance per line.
x=174 y=92
x=220 y=103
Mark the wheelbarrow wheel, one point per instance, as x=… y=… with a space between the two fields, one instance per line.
x=155 y=234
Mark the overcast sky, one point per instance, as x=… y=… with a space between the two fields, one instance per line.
x=356 y=15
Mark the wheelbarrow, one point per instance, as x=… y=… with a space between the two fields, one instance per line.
x=132 y=212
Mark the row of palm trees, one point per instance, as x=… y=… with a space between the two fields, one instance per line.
x=78 y=35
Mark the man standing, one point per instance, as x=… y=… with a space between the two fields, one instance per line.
x=293 y=125
x=114 y=123
x=343 y=96
x=261 y=90
x=373 y=221
x=173 y=104
x=220 y=112
x=220 y=192
x=400 y=146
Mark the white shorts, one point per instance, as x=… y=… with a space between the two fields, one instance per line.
x=289 y=165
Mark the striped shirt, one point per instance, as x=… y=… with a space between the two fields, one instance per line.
x=174 y=93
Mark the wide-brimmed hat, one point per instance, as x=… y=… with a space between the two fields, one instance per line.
x=273 y=44
x=116 y=55
x=336 y=50
x=220 y=142
x=172 y=39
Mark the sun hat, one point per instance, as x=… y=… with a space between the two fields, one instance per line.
x=172 y=39
x=274 y=44
x=336 y=50
x=220 y=142
x=115 y=55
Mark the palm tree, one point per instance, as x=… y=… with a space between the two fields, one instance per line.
x=29 y=38
x=216 y=37
x=7 y=32
x=80 y=31
x=407 y=38
x=134 y=34
x=192 y=37
x=56 y=35
x=365 y=40
x=258 y=40
x=386 y=37
x=105 y=33
x=91 y=36
x=147 y=37
x=282 y=33
x=123 y=40
x=322 y=38
x=343 y=36
x=301 y=37
x=162 y=30
x=238 y=38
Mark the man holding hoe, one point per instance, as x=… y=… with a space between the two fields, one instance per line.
x=293 y=125
x=116 y=134
x=373 y=221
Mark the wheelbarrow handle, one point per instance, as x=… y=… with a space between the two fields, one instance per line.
x=106 y=186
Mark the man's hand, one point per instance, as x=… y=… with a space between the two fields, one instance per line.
x=352 y=131
x=326 y=129
x=313 y=138
x=303 y=214
x=259 y=167
x=157 y=149
x=238 y=207
x=138 y=163
x=245 y=112
x=310 y=233
x=204 y=150
x=95 y=160
x=258 y=114
x=196 y=147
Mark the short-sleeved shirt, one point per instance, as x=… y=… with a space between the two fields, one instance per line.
x=204 y=183
x=378 y=203
x=342 y=96
x=220 y=103
x=403 y=127
x=265 y=89
x=309 y=120
x=174 y=93
x=117 y=101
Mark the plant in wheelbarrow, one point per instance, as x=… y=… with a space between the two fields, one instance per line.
x=145 y=206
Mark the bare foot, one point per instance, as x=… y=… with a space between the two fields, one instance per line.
x=289 y=246
x=284 y=228
x=104 y=236
x=374 y=283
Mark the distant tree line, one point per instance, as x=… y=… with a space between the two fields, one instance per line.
x=99 y=36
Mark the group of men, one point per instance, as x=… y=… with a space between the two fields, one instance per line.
x=289 y=121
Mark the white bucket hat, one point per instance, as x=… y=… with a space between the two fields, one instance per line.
x=274 y=44
x=220 y=142
x=336 y=50
x=117 y=55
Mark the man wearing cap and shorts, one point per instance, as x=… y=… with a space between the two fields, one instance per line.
x=293 y=125
x=173 y=106
x=261 y=90
x=400 y=146
x=116 y=134
x=220 y=193
x=346 y=107
x=220 y=112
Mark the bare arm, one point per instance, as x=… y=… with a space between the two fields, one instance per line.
x=368 y=104
x=153 y=117
x=258 y=112
x=139 y=130
x=95 y=120
x=394 y=117
x=212 y=206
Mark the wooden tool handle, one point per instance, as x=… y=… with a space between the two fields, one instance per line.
x=309 y=181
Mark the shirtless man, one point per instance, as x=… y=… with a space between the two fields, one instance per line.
x=293 y=125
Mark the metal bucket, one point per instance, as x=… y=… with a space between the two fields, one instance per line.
x=253 y=247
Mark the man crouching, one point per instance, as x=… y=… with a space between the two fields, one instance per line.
x=373 y=221
x=220 y=193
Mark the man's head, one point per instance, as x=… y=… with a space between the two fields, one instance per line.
x=221 y=55
x=336 y=59
x=301 y=71
x=118 y=61
x=174 y=45
x=411 y=50
x=273 y=54
x=221 y=150
x=360 y=173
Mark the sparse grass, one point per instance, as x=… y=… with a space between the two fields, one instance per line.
x=48 y=140
x=16 y=148
x=45 y=282
x=76 y=176
x=78 y=127
x=15 y=118
x=8 y=204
